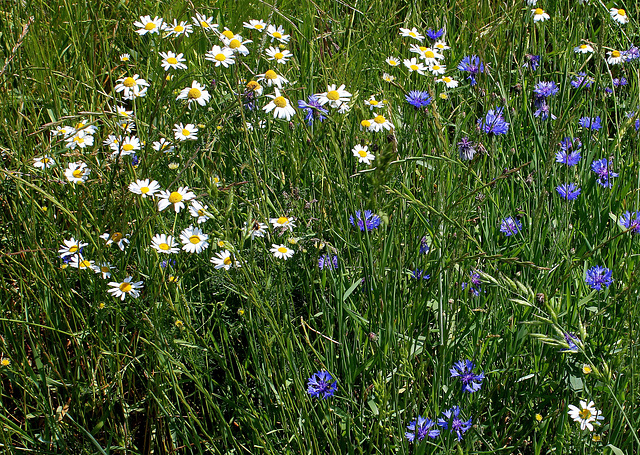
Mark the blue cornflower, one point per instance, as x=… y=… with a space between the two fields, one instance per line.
x=321 y=384
x=312 y=109
x=368 y=223
x=424 y=246
x=543 y=110
x=633 y=53
x=435 y=34
x=546 y=89
x=598 y=276
x=494 y=123
x=467 y=149
x=510 y=226
x=603 y=173
x=637 y=124
x=419 y=428
x=135 y=160
x=619 y=82
x=631 y=221
x=570 y=158
x=568 y=143
x=418 y=99
x=170 y=263
x=474 y=283
x=328 y=261
x=419 y=274
x=571 y=339
x=568 y=191
x=472 y=65
x=590 y=123
x=452 y=417
x=463 y=369
x=582 y=80
x=249 y=101
x=531 y=62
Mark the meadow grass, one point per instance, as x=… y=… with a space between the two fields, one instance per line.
x=217 y=361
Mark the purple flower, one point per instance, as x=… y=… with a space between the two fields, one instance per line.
x=418 y=99
x=619 y=82
x=571 y=339
x=419 y=274
x=582 y=80
x=312 y=109
x=590 y=123
x=568 y=191
x=321 y=384
x=631 y=221
x=598 y=276
x=472 y=65
x=467 y=149
x=424 y=246
x=543 y=110
x=328 y=261
x=463 y=369
x=452 y=418
x=474 y=283
x=546 y=89
x=135 y=160
x=419 y=428
x=570 y=159
x=603 y=173
x=435 y=35
x=368 y=223
x=531 y=62
x=632 y=53
x=510 y=226
x=637 y=124
x=567 y=144
x=494 y=123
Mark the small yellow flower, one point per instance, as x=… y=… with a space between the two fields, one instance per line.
x=240 y=312
x=293 y=241
x=101 y=306
x=539 y=417
x=201 y=126
x=5 y=362
x=586 y=369
x=219 y=127
x=169 y=77
x=173 y=279
x=173 y=166
x=444 y=96
x=221 y=243
x=179 y=324
x=596 y=438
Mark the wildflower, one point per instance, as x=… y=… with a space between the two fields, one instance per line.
x=583 y=49
x=363 y=154
x=321 y=384
x=256 y=229
x=204 y=22
x=582 y=80
x=185 y=132
x=568 y=191
x=531 y=61
x=615 y=57
x=587 y=415
x=474 y=283
x=255 y=24
x=283 y=222
x=122 y=289
x=175 y=198
x=125 y=146
x=144 y=187
x=313 y=109
x=619 y=15
x=131 y=87
x=590 y=123
x=424 y=246
x=631 y=221
x=510 y=226
x=80 y=139
x=116 y=238
x=281 y=251
x=467 y=149
x=619 y=81
x=441 y=45
x=328 y=261
x=280 y=56
x=538 y=417
x=418 y=99
x=586 y=368
x=178 y=29
x=163 y=243
x=173 y=61
x=195 y=93
x=83 y=125
x=539 y=15
x=272 y=78
x=63 y=131
x=148 y=25
x=237 y=44
x=194 y=240
x=379 y=123
x=633 y=53
x=494 y=123
x=598 y=276
x=334 y=96
x=420 y=428
x=435 y=35
x=280 y=106
x=199 y=211
x=449 y=82
x=571 y=339
x=393 y=61
x=44 y=162
x=463 y=369
x=220 y=56
x=420 y=274
x=223 y=260
x=430 y=56
x=4 y=361
x=71 y=247
x=472 y=65
x=366 y=221
x=603 y=173
x=125 y=57
x=104 y=268
x=413 y=33
x=545 y=89
x=77 y=172
x=372 y=103
x=414 y=65
x=78 y=262
x=452 y=418
x=277 y=33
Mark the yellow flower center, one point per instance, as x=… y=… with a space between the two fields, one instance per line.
x=277 y=35
x=73 y=249
x=436 y=67
x=271 y=75
x=622 y=12
x=373 y=102
x=124 y=58
x=129 y=82
x=116 y=236
x=125 y=287
x=178 y=28
x=228 y=34
x=283 y=220
x=429 y=54
x=539 y=417
x=45 y=160
x=584 y=414
x=78 y=139
x=615 y=54
x=379 y=119
x=586 y=369
x=204 y=24
x=194 y=239
x=104 y=269
x=234 y=44
x=258 y=26
x=5 y=362
x=79 y=125
x=172 y=60
x=221 y=243
x=596 y=438
x=393 y=62
x=362 y=153
x=145 y=189
x=583 y=46
x=175 y=197
x=194 y=94
x=280 y=101
x=220 y=57
x=201 y=212
x=164 y=247
x=77 y=173
x=282 y=250
x=278 y=55
x=150 y=26
x=253 y=85
x=185 y=132
x=333 y=95
x=538 y=11
x=227 y=261
x=365 y=123
x=414 y=67
x=127 y=147
x=412 y=34
x=446 y=79
x=84 y=264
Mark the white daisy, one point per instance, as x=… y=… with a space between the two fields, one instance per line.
x=430 y=56
x=437 y=69
x=441 y=46
x=148 y=25
x=449 y=82
x=126 y=287
x=372 y=103
x=194 y=240
x=125 y=57
x=619 y=15
x=196 y=93
x=379 y=123
x=272 y=78
x=583 y=49
x=77 y=172
x=85 y=126
x=124 y=146
x=178 y=28
x=281 y=251
x=220 y=56
x=334 y=96
x=237 y=44
x=393 y=61
x=363 y=154
x=283 y=222
x=277 y=33
x=255 y=87
x=70 y=247
x=587 y=415
x=256 y=229
x=80 y=139
x=163 y=145
x=414 y=65
x=185 y=132
x=204 y=22
x=116 y=238
x=63 y=131
x=539 y=15
x=413 y=33
x=44 y=162
x=173 y=61
x=255 y=24
x=78 y=262
x=144 y=187
x=104 y=268
x=165 y=244
x=388 y=77
x=279 y=55
x=224 y=260
x=615 y=57
x=280 y=106
x=199 y=211
x=131 y=87
x=175 y=198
